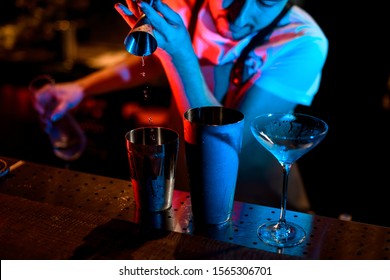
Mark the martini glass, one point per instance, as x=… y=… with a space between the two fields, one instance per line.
x=287 y=136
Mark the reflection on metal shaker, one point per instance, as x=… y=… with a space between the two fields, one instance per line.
x=152 y=154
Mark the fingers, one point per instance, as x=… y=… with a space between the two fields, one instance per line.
x=152 y=14
x=122 y=9
x=39 y=108
x=59 y=112
x=42 y=99
x=170 y=15
x=126 y=14
x=60 y=108
x=158 y=21
x=134 y=7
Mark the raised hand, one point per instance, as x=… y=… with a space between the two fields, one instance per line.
x=65 y=95
x=170 y=32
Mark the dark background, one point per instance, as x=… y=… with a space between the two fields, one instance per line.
x=346 y=173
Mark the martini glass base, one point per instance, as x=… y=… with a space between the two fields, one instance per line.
x=286 y=236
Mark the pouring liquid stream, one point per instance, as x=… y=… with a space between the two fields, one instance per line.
x=146 y=90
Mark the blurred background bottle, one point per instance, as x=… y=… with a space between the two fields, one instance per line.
x=66 y=136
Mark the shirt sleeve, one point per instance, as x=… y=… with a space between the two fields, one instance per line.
x=293 y=70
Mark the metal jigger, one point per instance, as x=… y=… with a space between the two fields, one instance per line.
x=141 y=41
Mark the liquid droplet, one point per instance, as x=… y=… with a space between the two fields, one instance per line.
x=146 y=92
x=152 y=133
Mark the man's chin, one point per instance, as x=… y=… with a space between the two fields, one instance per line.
x=227 y=34
x=231 y=35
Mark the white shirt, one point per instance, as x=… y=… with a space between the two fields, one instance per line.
x=289 y=64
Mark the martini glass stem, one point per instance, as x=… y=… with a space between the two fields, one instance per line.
x=282 y=218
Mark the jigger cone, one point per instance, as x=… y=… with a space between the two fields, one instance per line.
x=141 y=41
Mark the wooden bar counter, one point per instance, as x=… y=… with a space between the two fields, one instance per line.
x=53 y=213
